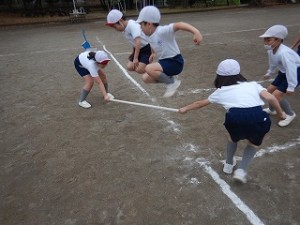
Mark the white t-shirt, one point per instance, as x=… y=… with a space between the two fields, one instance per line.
x=132 y=31
x=242 y=95
x=89 y=64
x=163 y=42
x=287 y=61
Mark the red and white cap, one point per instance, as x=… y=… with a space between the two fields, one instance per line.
x=149 y=14
x=101 y=57
x=228 y=67
x=114 y=16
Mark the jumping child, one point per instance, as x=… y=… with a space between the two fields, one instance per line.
x=244 y=118
x=287 y=62
x=90 y=66
x=163 y=43
x=132 y=32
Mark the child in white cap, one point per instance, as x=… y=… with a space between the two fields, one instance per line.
x=244 y=118
x=287 y=61
x=163 y=43
x=90 y=66
x=132 y=32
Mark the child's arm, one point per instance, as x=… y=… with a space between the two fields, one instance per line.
x=197 y=38
x=296 y=41
x=137 y=42
x=272 y=100
x=194 y=105
x=102 y=88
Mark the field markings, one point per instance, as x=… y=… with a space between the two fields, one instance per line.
x=203 y=163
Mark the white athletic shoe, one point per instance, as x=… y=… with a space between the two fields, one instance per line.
x=228 y=168
x=85 y=104
x=268 y=110
x=171 y=88
x=240 y=176
x=287 y=120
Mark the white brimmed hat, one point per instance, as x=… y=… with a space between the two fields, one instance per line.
x=228 y=67
x=276 y=31
x=114 y=16
x=101 y=57
x=149 y=14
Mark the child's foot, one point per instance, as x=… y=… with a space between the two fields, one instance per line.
x=228 y=168
x=287 y=120
x=171 y=88
x=85 y=104
x=240 y=176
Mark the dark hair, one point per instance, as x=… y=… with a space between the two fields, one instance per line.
x=91 y=55
x=228 y=80
x=154 y=24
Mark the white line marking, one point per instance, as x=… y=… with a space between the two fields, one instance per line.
x=231 y=195
x=278 y=148
x=38 y=52
x=124 y=70
x=224 y=186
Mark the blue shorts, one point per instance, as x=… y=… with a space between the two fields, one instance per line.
x=251 y=124
x=172 y=66
x=144 y=55
x=281 y=82
x=298 y=50
x=80 y=69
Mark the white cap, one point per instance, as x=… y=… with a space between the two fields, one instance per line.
x=149 y=14
x=101 y=57
x=114 y=16
x=228 y=67
x=276 y=31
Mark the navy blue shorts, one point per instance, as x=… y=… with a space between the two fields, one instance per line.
x=281 y=82
x=298 y=50
x=144 y=55
x=251 y=124
x=172 y=66
x=80 y=69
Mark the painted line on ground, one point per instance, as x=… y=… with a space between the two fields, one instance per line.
x=223 y=185
x=226 y=189
x=123 y=69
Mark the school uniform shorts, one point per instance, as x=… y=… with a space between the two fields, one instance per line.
x=251 y=124
x=80 y=69
x=144 y=55
x=281 y=82
x=172 y=66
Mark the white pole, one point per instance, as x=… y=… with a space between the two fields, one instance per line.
x=144 y=105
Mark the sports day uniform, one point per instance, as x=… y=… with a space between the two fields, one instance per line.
x=85 y=66
x=133 y=31
x=164 y=44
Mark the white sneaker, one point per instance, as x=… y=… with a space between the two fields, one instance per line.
x=85 y=104
x=240 y=176
x=171 y=88
x=287 y=120
x=268 y=110
x=228 y=168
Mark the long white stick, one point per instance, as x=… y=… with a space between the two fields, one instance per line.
x=144 y=105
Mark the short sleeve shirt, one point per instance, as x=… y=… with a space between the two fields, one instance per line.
x=132 y=31
x=242 y=95
x=163 y=42
x=89 y=64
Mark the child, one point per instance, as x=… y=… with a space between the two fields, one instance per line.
x=244 y=118
x=90 y=66
x=296 y=42
x=287 y=62
x=133 y=33
x=163 y=43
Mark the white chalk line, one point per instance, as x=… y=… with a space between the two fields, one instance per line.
x=224 y=186
x=230 y=194
x=123 y=69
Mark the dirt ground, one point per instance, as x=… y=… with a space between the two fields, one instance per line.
x=129 y=165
